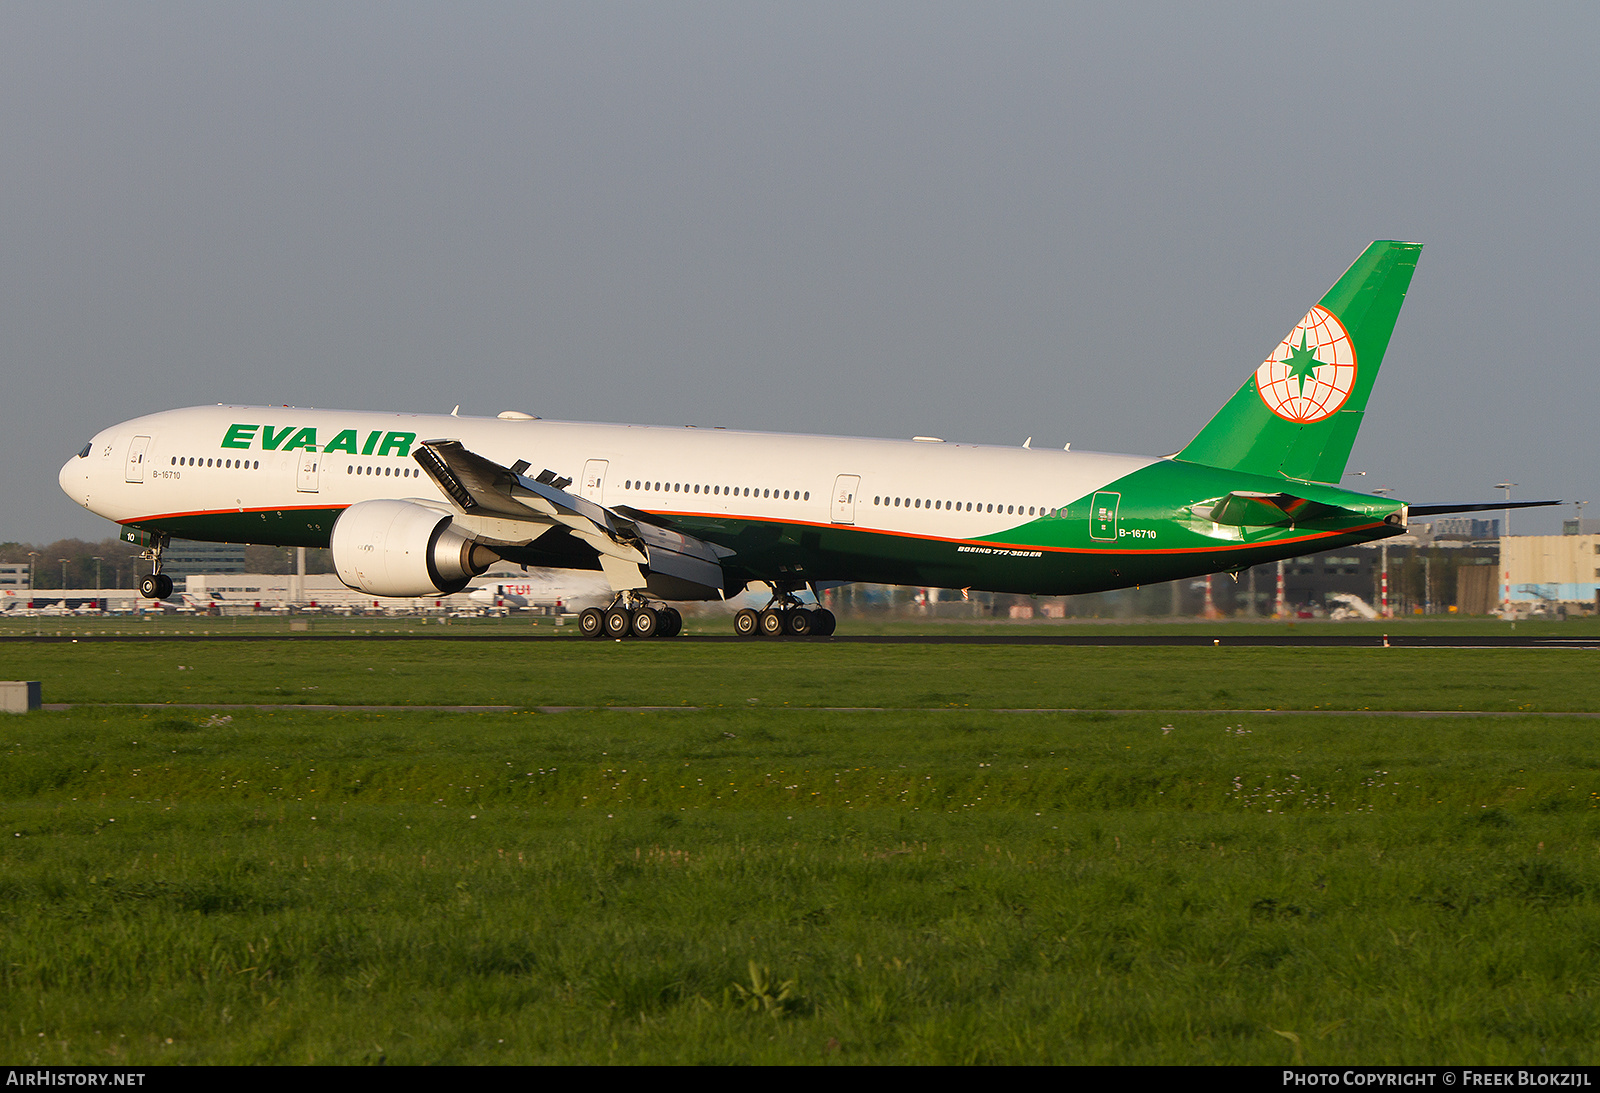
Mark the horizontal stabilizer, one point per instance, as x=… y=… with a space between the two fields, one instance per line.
x=1266 y=510
x=1485 y=506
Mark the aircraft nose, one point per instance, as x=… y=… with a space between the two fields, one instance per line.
x=74 y=479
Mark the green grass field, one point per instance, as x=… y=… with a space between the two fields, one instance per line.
x=759 y=879
x=718 y=623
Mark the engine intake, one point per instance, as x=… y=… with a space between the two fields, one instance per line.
x=397 y=548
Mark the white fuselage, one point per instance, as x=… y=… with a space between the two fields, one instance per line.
x=215 y=460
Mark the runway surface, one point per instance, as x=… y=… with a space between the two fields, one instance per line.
x=1237 y=641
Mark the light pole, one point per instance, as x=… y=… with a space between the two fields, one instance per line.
x=98 y=585
x=1383 y=579
x=1383 y=595
x=1505 y=533
x=1506 y=530
x=63 y=562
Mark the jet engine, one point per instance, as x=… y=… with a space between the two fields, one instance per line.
x=398 y=548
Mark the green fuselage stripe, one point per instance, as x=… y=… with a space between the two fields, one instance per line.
x=1021 y=559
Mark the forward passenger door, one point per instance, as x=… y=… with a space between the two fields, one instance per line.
x=136 y=458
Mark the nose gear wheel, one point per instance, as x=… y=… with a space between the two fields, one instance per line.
x=155 y=585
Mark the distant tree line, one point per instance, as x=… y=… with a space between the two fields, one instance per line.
x=276 y=559
x=111 y=563
x=118 y=562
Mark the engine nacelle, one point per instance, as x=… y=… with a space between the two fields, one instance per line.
x=396 y=548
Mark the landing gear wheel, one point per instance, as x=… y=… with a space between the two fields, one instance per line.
x=592 y=623
x=155 y=586
x=772 y=624
x=646 y=623
x=618 y=623
x=747 y=624
x=671 y=622
x=799 y=622
x=825 y=622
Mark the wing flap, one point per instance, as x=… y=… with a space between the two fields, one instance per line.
x=474 y=483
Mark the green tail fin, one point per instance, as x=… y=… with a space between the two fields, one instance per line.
x=1298 y=414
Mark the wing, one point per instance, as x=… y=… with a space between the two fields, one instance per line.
x=502 y=504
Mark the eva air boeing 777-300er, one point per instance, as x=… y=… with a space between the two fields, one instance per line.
x=418 y=505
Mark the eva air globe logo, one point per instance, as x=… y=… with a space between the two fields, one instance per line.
x=1311 y=372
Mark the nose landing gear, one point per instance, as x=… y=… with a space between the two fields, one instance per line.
x=155 y=585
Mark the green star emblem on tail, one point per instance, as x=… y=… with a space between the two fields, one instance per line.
x=1302 y=362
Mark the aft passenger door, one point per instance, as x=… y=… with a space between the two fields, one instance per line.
x=1103 y=516
x=844 y=498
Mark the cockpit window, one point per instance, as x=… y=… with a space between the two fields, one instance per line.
x=84 y=454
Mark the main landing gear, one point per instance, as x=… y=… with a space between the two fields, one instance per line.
x=785 y=616
x=630 y=617
x=155 y=585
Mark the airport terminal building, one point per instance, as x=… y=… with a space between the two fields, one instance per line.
x=1551 y=570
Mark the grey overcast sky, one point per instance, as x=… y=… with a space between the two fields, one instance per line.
x=1076 y=222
